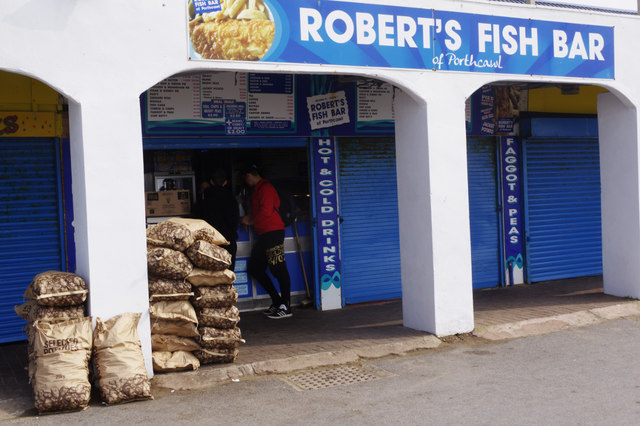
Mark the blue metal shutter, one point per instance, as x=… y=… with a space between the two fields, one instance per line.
x=369 y=236
x=30 y=223
x=484 y=215
x=562 y=203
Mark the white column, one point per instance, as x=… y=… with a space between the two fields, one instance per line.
x=619 y=174
x=108 y=201
x=435 y=242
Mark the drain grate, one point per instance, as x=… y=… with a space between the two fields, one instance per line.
x=322 y=379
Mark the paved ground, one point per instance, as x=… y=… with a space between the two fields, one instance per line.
x=579 y=376
x=525 y=302
x=315 y=338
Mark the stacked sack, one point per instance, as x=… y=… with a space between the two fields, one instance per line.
x=117 y=355
x=214 y=300
x=174 y=336
x=60 y=344
x=172 y=246
x=173 y=320
x=59 y=341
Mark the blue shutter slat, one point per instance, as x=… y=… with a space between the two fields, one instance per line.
x=29 y=223
x=369 y=236
x=484 y=219
x=563 y=220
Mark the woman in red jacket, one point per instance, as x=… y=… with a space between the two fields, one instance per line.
x=268 y=250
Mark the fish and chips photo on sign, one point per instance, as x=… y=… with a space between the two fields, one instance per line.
x=237 y=30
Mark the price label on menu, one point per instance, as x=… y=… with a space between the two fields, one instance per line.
x=235 y=126
x=235 y=122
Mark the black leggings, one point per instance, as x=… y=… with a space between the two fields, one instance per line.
x=268 y=251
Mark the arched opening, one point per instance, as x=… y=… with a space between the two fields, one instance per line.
x=544 y=165
x=329 y=140
x=37 y=209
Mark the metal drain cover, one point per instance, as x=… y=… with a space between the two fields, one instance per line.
x=322 y=379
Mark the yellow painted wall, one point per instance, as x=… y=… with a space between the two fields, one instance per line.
x=21 y=93
x=551 y=99
x=24 y=97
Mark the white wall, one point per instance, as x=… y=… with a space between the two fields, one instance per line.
x=431 y=156
x=103 y=54
x=108 y=194
x=414 y=211
x=626 y=5
x=618 y=134
x=622 y=5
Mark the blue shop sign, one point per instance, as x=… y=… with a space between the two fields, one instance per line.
x=326 y=205
x=510 y=149
x=361 y=34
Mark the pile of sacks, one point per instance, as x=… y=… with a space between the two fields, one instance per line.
x=187 y=268
x=61 y=341
x=218 y=317
x=174 y=335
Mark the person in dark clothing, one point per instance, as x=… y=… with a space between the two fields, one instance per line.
x=196 y=208
x=220 y=210
x=268 y=250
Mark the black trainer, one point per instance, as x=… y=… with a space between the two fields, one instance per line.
x=281 y=312
x=272 y=310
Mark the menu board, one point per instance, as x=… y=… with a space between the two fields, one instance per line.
x=227 y=103
x=375 y=101
x=176 y=98
x=231 y=103
x=271 y=101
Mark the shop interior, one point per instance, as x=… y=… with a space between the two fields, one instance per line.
x=188 y=169
x=180 y=171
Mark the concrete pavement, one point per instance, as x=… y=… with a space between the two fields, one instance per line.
x=313 y=339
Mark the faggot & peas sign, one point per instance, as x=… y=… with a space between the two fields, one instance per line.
x=363 y=34
x=510 y=149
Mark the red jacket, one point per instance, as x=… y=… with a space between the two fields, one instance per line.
x=264 y=205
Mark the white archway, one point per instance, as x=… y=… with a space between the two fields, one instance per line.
x=619 y=170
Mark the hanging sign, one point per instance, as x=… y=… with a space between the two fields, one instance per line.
x=373 y=34
x=328 y=110
x=326 y=196
x=512 y=208
x=505 y=125
x=486 y=111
